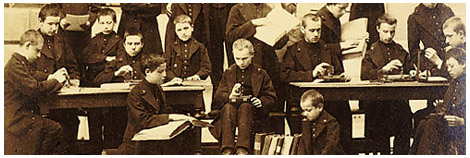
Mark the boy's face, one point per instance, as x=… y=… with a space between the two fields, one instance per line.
x=338 y=10
x=184 y=31
x=107 y=23
x=454 y=68
x=50 y=25
x=386 y=32
x=242 y=58
x=158 y=75
x=312 y=31
x=453 y=38
x=133 y=45
x=33 y=51
x=309 y=111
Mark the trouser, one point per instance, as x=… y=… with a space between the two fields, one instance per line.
x=234 y=115
x=68 y=119
x=106 y=126
x=385 y=119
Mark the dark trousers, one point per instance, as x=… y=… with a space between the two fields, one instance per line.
x=68 y=119
x=234 y=115
x=78 y=40
x=385 y=119
x=42 y=138
x=106 y=126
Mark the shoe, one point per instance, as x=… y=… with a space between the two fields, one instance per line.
x=242 y=151
x=227 y=151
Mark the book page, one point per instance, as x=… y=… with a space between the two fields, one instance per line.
x=353 y=30
x=163 y=132
x=280 y=22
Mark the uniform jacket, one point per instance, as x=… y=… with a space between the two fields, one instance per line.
x=320 y=137
x=143 y=17
x=146 y=108
x=239 y=26
x=380 y=55
x=180 y=65
x=331 y=31
x=193 y=10
x=122 y=59
x=21 y=92
x=97 y=51
x=425 y=25
x=297 y=66
x=58 y=56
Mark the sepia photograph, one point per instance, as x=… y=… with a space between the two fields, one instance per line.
x=234 y=78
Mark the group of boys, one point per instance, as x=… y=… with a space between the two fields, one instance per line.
x=246 y=93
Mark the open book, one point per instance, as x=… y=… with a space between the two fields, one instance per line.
x=168 y=131
x=280 y=22
x=75 y=22
x=353 y=30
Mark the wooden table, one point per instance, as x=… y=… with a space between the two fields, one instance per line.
x=365 y=90
x=98 y=97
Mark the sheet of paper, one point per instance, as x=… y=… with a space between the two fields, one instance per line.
x=353 y=30
x=359 y=124
x=83 y=132
x=75 y=22
x=158 y=133
x=280 y=22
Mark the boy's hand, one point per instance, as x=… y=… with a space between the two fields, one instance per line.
x=453 y=120
x=256 y=102
x=260 y=22
x=392 y=65
x=194 y=78
x=123 y=70
x=431 y=54
x=64 y=23
x=85 y=26
x=320 y=69
x=110 y=58
x=235 y=90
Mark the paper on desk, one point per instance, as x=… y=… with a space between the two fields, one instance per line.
x=353 y=30
x=75 y=22
x=280 y=22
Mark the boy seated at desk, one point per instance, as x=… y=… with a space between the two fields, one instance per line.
x=147 y=109
x=27 y=132
x=103 y=47
x=388 y=117
x=443 y=131
x=242 y=79
x=127 y=65
x=320 y=130
x=187 y=58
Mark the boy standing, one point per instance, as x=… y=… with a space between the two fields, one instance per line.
x=26 y=132
x=242 y=79
x=320 y=130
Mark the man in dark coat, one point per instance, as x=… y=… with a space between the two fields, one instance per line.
x=390 y=117
x=242 y=79
x=147 y=108
x=26 y=132
x=371 y=11
x=143 y=17
x=57 y=54
x=425 y=26
x=305 y=61
x=443 y=132
x=320 y=130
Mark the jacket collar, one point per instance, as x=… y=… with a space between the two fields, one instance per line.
x=112 y=41
x=193 y=46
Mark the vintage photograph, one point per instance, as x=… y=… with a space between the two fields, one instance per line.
x=234 y=79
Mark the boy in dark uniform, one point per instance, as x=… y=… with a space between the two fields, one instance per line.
x=242 y=79
x=390 y=117
x=187 y=58
x=320 y=130
x=147 y=108
x=57 y=54
x=26 y=132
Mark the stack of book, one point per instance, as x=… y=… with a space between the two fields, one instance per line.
x=275 y=144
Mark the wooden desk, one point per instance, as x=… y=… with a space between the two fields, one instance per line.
x=97 y=97
x=373 y=91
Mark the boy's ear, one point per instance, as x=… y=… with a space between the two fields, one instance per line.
x=461 y=34
x=27 y=45
x=147 y=71
x=321 y=106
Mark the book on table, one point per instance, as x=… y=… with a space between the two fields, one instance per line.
x=168 y=131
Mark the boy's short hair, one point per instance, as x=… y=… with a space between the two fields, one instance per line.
x=32 y=36
x=241 y=44
x=310 y=16
x=152 y=62
x=50 y=10
x=314 y=96
x=456 y=23
x=183 y=18
x=107 y=12
x=386 y=18
x=456 y=53
x=133 y=32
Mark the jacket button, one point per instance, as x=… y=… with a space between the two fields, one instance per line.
x=45 y=70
